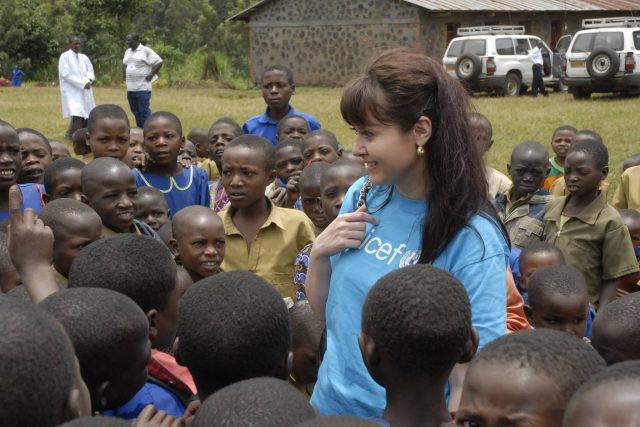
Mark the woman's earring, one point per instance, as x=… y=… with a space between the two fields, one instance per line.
x=420 y=151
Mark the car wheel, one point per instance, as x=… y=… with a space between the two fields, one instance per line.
x=512 y=85
x=468 y=67
x=580 y=94
x=558 y=87
x=603 y=63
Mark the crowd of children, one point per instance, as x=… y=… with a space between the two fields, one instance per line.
x=160 y=279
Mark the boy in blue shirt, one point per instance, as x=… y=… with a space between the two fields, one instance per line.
x=277 y=88
x=16 y=76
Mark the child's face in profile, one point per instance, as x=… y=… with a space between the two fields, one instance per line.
x=581 y=174
x=528 y=171
x=482 y=135
x=564 y=313
x=110 y=138
x=534 y=261
x=335 y=184
x=116 y=201
x=77 y=234
x=245 y=176
x=288 y=163
x=499 y=396
x=66 y=185
x=634 y=230
x=163 y=141
x=561 y=142
x=607 y=405
x=201 y=246
x=312 y=204
x=35 y=158
x=10 y=157
x=277 y=89
x=319 y=149
x=135 y=152
x=293 y=128
x=219 y=136
x=152 y=210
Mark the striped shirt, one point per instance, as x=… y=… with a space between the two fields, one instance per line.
x=139 y=64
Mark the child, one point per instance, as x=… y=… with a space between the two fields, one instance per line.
x=321 y=146
x=527 y=376
x=188 y=153
x=58 y=150
x=608 y=399
x=81 y=147
x=62 y=179
x=616 y=330
x=181 y=187
x=310 y=195
x=152 y=208
x=587 y=230
x=306 y=334
x=74 y=225
x=109 y=188
x=534 y=256
x=482 y=131
x=40 y=383
x=560 y=143
x=9 y=276
x=10 y=170
x=292 y=127
x=289 y=166
x=339 y=421
x=631 y=220
x=631 y=161
x=257 y=402
x=627 y=195
x=198 y=241
x=222 y=132
x=110 y=335
x=224 y=322
x=260 y=237
x=416 y=325
x=135 y=157
x=108 y=131
x=36 y=155
x=199 y=138
x=277 y=88
x=142 y=268
x=558 y=299
x=522 y=207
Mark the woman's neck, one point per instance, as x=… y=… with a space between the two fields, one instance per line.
x=414 y=184
x=168 y=170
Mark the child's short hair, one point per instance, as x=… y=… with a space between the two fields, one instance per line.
x=258 y=143
x=633 y=160
x=286 y=70
x=105 y=111
x=356 y=167
x=37 y=366
x=97 y=421
x=58 y=166
x=555 y=279
x=565 y=128
x=153 y=192
x=224 y=321
x=102 y=325
x=289 y=117
x=197 y=133
x=259 y=402
x=421 y=316
x=165 y=233
x=329 y=136
x=619 y=317
x=138 y=266
x=560 y=356
x=481 y=119
x=312 y=174
x=165 y=115
x=530 y=145
x=539 y=248
x=305 y=329
x=593 y=149
x=44 y=139
x=58 y=214
x=589 y=133
x=79 y=141
x=228 y=121
x=338 y=421
x=295 y=143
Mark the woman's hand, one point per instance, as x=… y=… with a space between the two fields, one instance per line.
x=345 y=232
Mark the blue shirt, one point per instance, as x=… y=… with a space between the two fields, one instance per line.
x=190 y=187
x=266 y=127
x=477 y=256
x=16 y=77
x=149 y=394
x=31 y=199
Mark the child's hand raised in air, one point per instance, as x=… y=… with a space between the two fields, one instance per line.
x=346 y=231
x=292 y=189
x=151 y=417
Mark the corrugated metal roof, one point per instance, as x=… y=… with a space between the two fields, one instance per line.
x=498 y=6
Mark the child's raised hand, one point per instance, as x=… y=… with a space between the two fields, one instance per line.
x=346 y=231
x=292 y=189
x=279 y=197
x=151 y=417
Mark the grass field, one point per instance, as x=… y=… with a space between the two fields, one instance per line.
x=514 y=119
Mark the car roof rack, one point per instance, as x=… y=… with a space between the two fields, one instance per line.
x=491 y=30
x=620 y=21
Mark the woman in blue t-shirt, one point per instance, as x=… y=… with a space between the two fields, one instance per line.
x=424 y=201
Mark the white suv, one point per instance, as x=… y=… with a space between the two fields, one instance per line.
x=604 y=57
x=494 y=59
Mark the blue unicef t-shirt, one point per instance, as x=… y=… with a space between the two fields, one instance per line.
x=477 y=256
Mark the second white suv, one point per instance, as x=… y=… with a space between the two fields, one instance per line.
x=604 y=57
x=494 y=59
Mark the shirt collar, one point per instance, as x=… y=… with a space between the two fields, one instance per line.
x=588 y=215
x=265 y=118
x=275 y=217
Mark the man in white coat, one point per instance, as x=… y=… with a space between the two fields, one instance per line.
x=76 y=76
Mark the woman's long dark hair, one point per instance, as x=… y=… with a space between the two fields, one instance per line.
x=397 y=88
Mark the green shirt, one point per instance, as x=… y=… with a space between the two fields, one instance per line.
x=595 y=241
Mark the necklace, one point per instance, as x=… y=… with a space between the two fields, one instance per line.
x=172 y=183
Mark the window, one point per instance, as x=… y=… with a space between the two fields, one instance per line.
x=611 y=39
x=475 y=47
x=636 y=39
x=522 y=47
x=454 y=49
x=504 y=46
x=583 y=43
x=563 y=44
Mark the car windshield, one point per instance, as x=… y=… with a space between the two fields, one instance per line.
x=504 y=46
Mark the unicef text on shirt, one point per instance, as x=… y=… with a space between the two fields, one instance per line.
x=386 y=252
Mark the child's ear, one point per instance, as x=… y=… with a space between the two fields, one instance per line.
x=153 y=323
x=46 y=198
x=605 y=172
x=286 y=366
x=272 y=175
x=173 y=245
x=340 y=151
x=529 y=313
x=370 y=353
x=471 y=347
x=73 y=408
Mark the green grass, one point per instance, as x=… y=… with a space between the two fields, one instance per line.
x=514 y=119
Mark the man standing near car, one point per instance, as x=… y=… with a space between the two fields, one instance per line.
x=140 y=67
x=535 y=56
